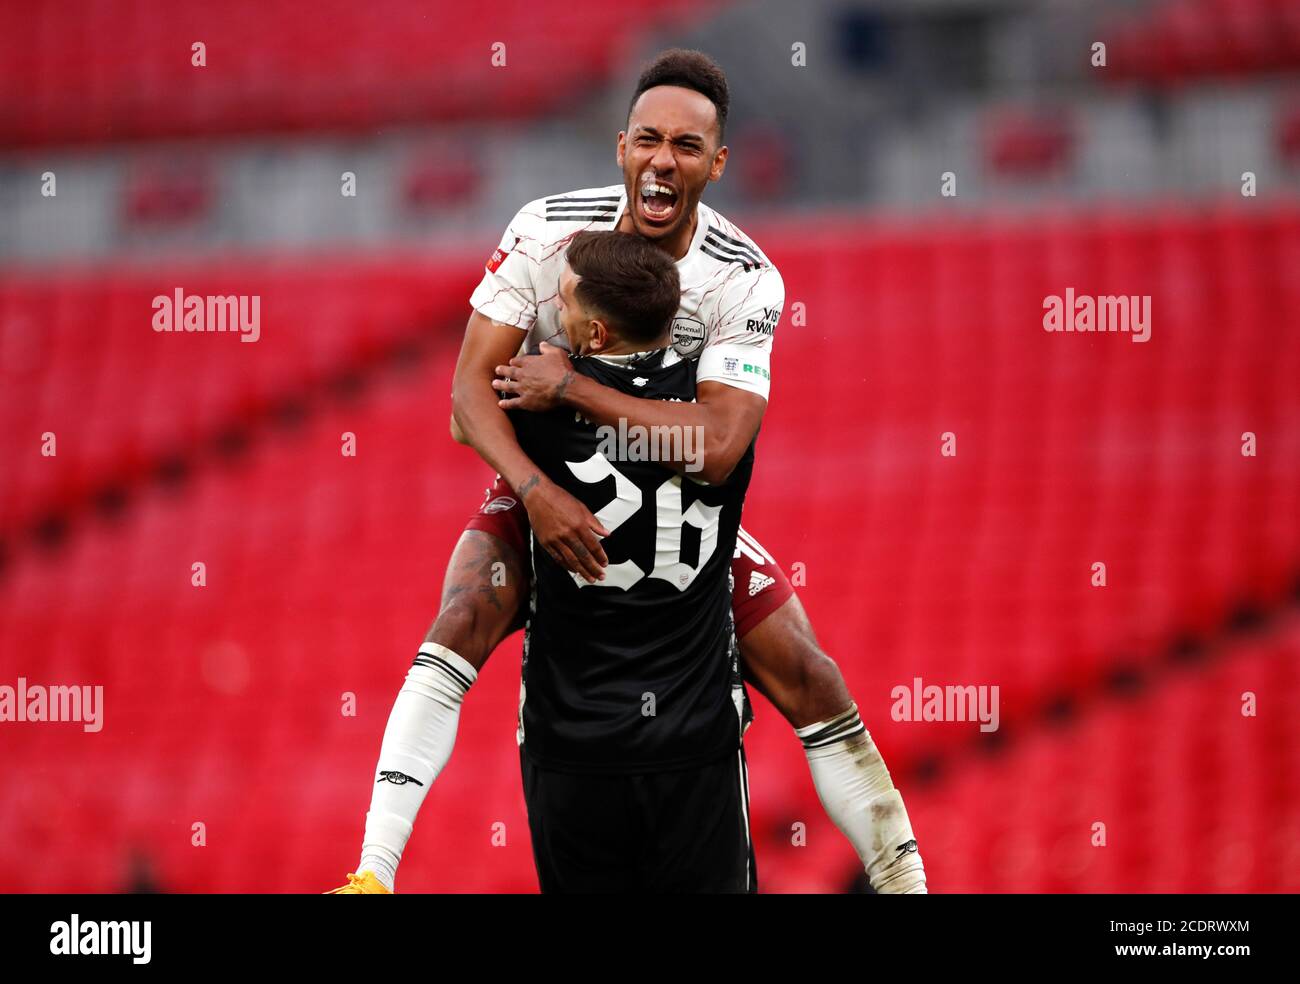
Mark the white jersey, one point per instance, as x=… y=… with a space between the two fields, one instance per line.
x=732 y=295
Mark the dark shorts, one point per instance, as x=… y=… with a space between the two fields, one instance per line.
x=760 y=586
x=662 y=832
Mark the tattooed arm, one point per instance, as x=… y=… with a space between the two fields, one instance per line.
x=725 y=418
x=564 y=527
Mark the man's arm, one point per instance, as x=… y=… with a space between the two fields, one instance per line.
x=456 y=434
x=564 y=527
x=727 y=417
x=473 y=410
x=731 y=390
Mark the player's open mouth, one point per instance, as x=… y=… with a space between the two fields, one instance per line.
x=658 y=199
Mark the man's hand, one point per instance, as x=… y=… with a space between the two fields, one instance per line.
x=535 y=382
x=564 y=527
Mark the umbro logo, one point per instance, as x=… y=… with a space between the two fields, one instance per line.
x=757 y=582
x=908 y=848
x=397 y=778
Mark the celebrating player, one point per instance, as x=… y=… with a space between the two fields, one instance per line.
x=731 y=300
x=632 y=709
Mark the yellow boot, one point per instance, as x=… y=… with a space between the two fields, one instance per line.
x=363 y=884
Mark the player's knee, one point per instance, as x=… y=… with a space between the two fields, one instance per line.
x=822 y=692
x=816 y=668
x=469 y=626
x=799 y=644
x=819 y=666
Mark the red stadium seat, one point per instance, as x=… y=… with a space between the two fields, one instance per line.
x=226 y=704
x=113 y=70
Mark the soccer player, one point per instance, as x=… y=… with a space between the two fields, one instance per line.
x=632 y=710
x=731 y=301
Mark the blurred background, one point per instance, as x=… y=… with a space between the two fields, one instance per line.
x=1168 y=169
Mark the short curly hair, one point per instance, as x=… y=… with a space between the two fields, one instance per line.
x=690 y=70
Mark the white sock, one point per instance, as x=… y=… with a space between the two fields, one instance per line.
x=859 y=796
x=417 y=744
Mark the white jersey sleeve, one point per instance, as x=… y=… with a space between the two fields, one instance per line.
x=738 y=348
x=508 y=292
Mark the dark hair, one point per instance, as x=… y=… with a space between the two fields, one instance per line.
x=690 y=70
x=628 y=280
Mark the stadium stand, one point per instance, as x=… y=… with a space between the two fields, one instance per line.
x=115 y=70
x=1176 y=43
x=227 y=702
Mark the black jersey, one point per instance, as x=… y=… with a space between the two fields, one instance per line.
x=639 y=672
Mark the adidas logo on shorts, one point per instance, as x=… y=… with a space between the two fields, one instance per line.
x=757 y=582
